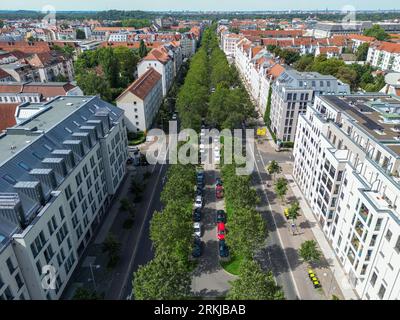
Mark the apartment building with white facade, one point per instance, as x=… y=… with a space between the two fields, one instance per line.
x=58 y=174
x=229 y=42
x=384 y=55
x=346 y=162
x=141 y=101
x=161 y=60
x=292 y=92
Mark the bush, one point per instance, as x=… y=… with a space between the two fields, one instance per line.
x=288 y=144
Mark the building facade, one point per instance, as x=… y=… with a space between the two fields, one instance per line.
x=59 y=172
x=346 y=162
x=292 y=92
x=141 y=101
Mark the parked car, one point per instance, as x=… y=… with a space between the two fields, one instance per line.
x=221 y=217
x=199 y=192
x=197 y=229
x=218 y=182
x=198 y=202
x=223 y=249
x=143 y=160
x=197 y=215
x=217 y=158
x=200 y=176
x=197 y=248
x=221 y=231
x=219 y=193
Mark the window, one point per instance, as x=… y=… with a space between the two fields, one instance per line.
x=18 y=280
x=62 y=215
x=381 y=292
x=397 y=246
x=68 y=192
x=10 y=266
x=85 y=170
x=78 y=179
x=388 y=235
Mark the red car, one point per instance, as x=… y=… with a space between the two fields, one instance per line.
x=219 y=191
x=221 y=231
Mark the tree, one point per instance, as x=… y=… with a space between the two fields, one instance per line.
x=93 y=84
x=281 y=188
x=377 y=32
x=85 y=294
x=362 y=52
x=273 y=168
x=1 y=24
x=163 y=278
x=304 y=62
x=348 y=75
x=293 y=212
x=142 y=49
x=80 y=34
x=246 y=233
x=112 y=247
x=110 y=66
x=60 y=78
x=254 y=284
x=127 y=61
x=309 y=252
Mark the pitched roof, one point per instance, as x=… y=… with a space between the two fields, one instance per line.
x=323 y=50
x=158 y=54
x=142 y=86
x=276 y=71
x=387 y=46
x=32 y=47
x=4 y=74
x=7 y=115
x=360 y=37
x=47 y=90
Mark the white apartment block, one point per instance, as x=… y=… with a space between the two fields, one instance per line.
x=229 y=42
x=188 y=44
x=292 y=92
x=385 y=56
x=162 y=62
x=59 y=172
x=346 y=162
x=119 y=37
x=141 y=101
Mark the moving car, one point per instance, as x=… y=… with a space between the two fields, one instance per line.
x=223 y=249
x=197 y=215
x=198 y=202
x=197 y=248
x=221 y=217
x=221 y=231
x=197 y=229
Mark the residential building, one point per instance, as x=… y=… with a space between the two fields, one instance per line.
x=229 y=42
x=51 y=65
x=346 y=163
x=59 y=172
x=161 y=60
x=384 y=55
x=292 y=92
x=141 y=101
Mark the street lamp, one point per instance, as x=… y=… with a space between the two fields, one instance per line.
x=91 y=270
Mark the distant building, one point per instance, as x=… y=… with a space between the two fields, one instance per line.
x=142 y=100
x=384 y=55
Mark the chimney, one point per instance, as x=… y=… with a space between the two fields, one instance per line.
x=46 y=176
x=32 y=189
x=11 y=209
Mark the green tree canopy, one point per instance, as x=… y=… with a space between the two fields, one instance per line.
x=309 y=251
x=281 y=188
x=163 y=278
x=377 y=32
x=362 y=52
x=254 y=284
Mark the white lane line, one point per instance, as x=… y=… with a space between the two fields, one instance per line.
x=141 y=230
x=276 y=226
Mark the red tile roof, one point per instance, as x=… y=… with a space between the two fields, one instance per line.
x=32 y=47
x=276 y=71
x=158 y=54
x=4 y=74
x=360 y=37
x=7 y=115
x=48 y=90
x=387 y=46
x=143 y=85
x=273 y=33
x=323 y=50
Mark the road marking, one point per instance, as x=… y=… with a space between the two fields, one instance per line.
x=277 y=230
x=141 y=230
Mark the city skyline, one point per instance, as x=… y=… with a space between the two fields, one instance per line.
x=207 y=5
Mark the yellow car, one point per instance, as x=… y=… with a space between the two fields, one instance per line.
x=286 y=212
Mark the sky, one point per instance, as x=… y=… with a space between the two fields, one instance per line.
x=204 y=5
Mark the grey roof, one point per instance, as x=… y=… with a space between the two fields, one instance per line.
x=29 y=145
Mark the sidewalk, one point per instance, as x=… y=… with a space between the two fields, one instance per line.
x=329 y=270
x=326 y=249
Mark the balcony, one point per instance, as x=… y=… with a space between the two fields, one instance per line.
x=359 y=228
x=364 y=212
x=355 y=242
